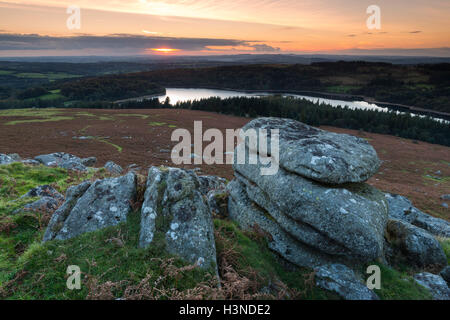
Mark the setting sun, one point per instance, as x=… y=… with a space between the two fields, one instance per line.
x=164 y=50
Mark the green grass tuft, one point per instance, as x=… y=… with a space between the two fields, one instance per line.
x=396 y=285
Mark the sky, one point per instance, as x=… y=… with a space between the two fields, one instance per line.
x=209 y=27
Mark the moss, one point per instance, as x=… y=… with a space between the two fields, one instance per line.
x=118 y=148
x=35 y=115
x=142 y=116
x=157 y=124
x=53 y=119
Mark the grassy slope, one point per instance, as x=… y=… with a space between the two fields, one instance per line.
x=113 y=266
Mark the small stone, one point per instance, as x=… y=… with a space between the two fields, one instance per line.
x=89 y=162
x=437 y=286
x=5 y=159
x=343 y=281
x=113 y=168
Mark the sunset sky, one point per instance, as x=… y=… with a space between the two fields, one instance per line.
x=200 y=27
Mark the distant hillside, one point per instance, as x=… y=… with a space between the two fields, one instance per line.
x=425 y=86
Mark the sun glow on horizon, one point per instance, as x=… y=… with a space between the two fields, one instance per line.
x=164 y=50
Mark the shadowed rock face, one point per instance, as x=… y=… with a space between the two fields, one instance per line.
x=320 y=155
x=214 y=188
x=103 y=204
x=445 y=274
x=211 y=183
x=175 y=207
x=418 y=246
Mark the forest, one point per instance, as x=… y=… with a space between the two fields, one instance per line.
x=109 y=88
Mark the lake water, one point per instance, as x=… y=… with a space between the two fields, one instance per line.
x=180 y=95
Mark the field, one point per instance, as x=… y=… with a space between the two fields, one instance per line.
x=142 y=137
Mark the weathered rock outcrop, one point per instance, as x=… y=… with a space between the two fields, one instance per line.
x=346 y=221
x=91 y=207
x=343 y=281
x=435 y=284
x=175 y=207
x=401 y=208
x=320 y=155
x=315 y=210
x=418 y=246
x=218 y=202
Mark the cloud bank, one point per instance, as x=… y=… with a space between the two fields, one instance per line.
x=127 y=42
